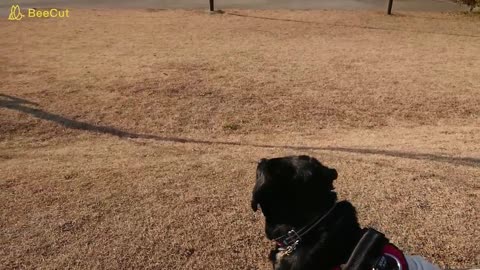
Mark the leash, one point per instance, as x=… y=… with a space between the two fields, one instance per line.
x=292 y=238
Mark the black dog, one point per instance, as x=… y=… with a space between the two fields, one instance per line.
x=311 y=229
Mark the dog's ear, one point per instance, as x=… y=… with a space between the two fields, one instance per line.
x=255 y=197
x=321 y=177
x=330 y=176
x=259 y=182
x=254 y=205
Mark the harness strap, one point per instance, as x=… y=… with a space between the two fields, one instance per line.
x=374 y=251
x=370 y=246
x=293 y=237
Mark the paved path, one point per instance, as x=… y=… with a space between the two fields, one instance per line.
x=418 y=5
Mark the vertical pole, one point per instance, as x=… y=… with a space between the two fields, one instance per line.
x=390 y=3
x=212 y=7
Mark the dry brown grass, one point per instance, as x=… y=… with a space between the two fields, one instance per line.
x=404 y=90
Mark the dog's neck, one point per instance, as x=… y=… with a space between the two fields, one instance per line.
x=326 y=246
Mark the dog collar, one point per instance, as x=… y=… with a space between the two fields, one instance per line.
x=288 y=243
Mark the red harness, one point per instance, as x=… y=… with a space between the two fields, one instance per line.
x=396 y=253
x=373 y=251
x=389 y=253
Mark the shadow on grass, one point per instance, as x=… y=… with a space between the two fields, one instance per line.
x=18 y=104
x=351 y=26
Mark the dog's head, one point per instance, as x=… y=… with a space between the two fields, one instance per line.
x=291 y=191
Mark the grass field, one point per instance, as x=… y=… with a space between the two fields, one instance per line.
x=129 y=138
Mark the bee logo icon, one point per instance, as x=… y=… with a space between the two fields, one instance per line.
x=15 y=13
